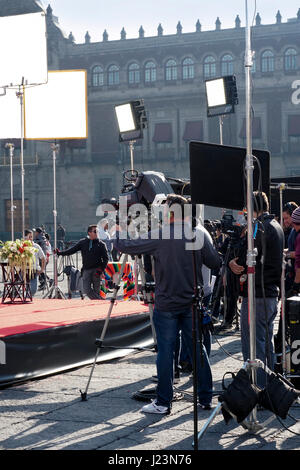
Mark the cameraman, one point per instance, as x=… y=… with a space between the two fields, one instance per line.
x=174 y=296
x=269 y=241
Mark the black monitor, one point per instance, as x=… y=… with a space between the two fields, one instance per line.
x=218 y=174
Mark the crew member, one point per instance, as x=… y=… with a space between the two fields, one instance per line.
x=269 y=241
x=94 y=261
x=296 y=225
x=174 y=290
x=39 y=261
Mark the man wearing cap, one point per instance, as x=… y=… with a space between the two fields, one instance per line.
x=296 y=225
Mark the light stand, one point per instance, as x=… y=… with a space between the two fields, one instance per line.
x=281 y=187
x=252 y=364
x=55 y=291
x=20 y=95
x=12 y=206
x=99 y=341
x=131 y=147
x=251 y=253
x=221 y=117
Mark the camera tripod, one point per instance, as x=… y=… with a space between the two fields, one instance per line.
x=99 y=341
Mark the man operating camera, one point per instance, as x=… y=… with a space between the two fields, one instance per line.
x=174 y=295
x=269 y=242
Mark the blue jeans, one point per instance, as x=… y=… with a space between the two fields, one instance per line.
x=167 y=326
x=181 y=347
x=271 y=308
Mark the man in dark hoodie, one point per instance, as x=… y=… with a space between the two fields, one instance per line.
x=269 y=242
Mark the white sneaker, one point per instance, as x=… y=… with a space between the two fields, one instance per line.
x=154 y=408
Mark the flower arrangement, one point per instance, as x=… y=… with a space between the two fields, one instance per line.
x=19 y=255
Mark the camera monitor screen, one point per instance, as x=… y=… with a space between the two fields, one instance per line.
x=218 y=174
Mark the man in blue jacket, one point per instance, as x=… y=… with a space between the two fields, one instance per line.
x=170 y=247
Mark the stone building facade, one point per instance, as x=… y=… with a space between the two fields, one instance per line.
x=168 y=72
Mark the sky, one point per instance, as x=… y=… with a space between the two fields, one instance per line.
x=94 y=16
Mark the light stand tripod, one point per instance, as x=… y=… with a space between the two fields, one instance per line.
x=197 y=322
x=148 y=299
x=281 y=187
x=131 y=147
x=12 y=206
x=20 y=95
x=252 y=364
x=55 y=291
x=99 y=342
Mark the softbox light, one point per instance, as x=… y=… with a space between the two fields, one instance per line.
x=23 y=52
x=131 y=119
x=221 y=95
x=218 y=175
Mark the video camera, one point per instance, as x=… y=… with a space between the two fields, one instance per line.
x=149 y=188
x=228 y=227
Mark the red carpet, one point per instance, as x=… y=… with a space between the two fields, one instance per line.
x=50 y=313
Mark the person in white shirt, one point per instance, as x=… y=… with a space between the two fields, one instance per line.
x=105 y=236
x=39 y=262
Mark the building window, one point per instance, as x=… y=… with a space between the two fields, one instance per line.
x=290 y=59
x=267 y=61
x=227 y=65
x=113 y=75
x=171 y=70
x=163 y=135
x=133 y=73
x=188 y=69
x=150 y=72
x=294 y=133
x=97 y=76
x=209 y=67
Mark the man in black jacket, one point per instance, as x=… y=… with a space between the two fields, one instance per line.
x=269 y=241
x=94 y=261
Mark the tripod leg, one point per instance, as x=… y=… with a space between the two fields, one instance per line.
x=99 y=341
x=210 y=420
x=146 y=296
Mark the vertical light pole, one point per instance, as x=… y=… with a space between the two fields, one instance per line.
x=12 y=206
x=20 y=95
x=250 y=240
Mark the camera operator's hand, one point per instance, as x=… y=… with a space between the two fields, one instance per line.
x=236 y=268
x=290 y=254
